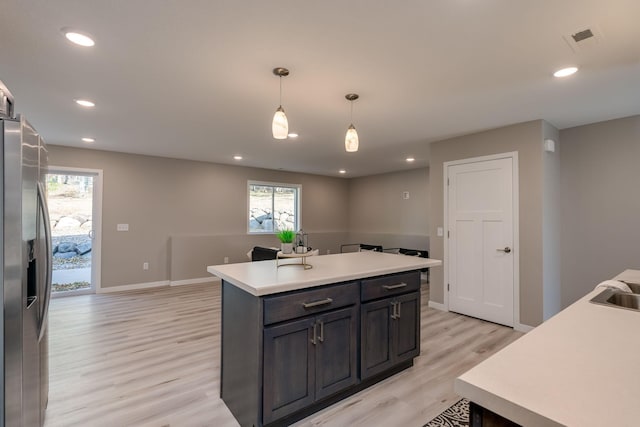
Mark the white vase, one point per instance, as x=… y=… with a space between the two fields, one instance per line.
x=286 y=248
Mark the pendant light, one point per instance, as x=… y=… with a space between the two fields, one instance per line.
x=280 y=125
x=351 y=138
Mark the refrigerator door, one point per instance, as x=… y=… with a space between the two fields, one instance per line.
x=45 y=254
x=13 y=271
x=35 y=264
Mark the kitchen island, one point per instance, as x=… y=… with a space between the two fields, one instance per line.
x=296 y=340
x=579 y=368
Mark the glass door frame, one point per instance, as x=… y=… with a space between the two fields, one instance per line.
x=96 y=218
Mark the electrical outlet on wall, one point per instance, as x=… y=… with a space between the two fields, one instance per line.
x=328 y=251
x=226 y=260
x=405 y=195
x=145 y=265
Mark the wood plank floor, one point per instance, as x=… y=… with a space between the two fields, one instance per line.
x=152 y=358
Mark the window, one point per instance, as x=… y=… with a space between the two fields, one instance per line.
x=273 y=207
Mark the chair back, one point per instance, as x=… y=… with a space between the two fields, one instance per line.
x=260 y=253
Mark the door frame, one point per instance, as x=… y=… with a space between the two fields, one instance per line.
x=515 y=178
x=96 y=218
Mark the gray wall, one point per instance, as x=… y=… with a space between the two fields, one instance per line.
x=378 y=213
x=600 y=205
x=196 y=210
x=551 y=252
x=526 y=139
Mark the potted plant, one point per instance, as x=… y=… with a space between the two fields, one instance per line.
x=286 y=240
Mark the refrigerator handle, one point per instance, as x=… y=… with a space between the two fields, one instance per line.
x=42 y=326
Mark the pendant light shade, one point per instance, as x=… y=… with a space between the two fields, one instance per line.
x=351 y=138
x=280 y=124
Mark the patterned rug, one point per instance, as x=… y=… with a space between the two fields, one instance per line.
x=456 y=415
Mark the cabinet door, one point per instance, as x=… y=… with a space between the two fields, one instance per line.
x=375 y=339
x=336 y=351
x=289 y=363
x=406 y=328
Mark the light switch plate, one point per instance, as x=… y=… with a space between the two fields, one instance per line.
x=405 y=195
x=122 y=227
x=440 y=231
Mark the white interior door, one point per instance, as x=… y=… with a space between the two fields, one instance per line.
x=481 y=236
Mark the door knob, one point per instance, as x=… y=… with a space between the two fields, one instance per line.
x=506 y=250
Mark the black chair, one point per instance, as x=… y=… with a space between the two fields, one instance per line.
x=375 y=248
x=260 y=253
x=419 y=253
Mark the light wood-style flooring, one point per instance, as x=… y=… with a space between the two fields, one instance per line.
x=152 y=358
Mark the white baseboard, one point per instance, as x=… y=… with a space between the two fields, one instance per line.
x=523 y=328
x=211 y=279
x=133 y=287
x=437 y=306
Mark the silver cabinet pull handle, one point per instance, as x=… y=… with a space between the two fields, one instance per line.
x=393 y=309
x=321 y=336
x=317 y=303
x=398 y=304
x=396 y=286
x=506 y=250
x=313 y=338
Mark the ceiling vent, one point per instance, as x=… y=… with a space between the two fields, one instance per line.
x=582 y=35
x=584 y=39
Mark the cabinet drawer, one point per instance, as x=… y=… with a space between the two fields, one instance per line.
x=303 y=303
x=394 y=284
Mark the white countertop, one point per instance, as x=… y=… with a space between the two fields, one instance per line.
x=264 y=278
x=629 y=276
x=580 y=368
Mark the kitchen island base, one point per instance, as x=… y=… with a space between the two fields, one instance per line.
x=288 y=355
x=482 y=417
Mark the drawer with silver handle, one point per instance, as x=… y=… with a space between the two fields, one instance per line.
x=393 y=284
x=315 y=300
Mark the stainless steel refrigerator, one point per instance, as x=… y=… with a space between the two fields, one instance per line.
x=26 y=270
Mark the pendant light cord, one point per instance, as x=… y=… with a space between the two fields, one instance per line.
x=351 y=103
x=280 y=91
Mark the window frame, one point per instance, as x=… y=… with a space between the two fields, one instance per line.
x=298 y=205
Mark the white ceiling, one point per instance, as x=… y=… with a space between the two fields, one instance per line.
x=192 y=79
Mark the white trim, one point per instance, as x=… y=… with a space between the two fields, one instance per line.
x=445 y=235
x=437 y=306
x=516 y=228
x=96 y=219
x=194 y=281
x=523 y=328
x=133 y=287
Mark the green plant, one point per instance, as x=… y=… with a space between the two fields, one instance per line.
x=286 y=236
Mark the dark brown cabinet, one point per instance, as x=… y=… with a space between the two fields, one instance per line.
x=308 y=360
x=287 y=355
x=390 y=329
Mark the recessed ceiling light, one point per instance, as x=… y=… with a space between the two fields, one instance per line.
x=292 y=135
x=237 y=157
x=410 y=159
x=85 y=103
x=78 y=38
x=565 y=72
x=342 y=171
x=88 y=140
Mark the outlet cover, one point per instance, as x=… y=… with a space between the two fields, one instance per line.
x=405 y=195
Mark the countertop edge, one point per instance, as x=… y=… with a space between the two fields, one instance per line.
x=298 y=285
x=501 y=406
